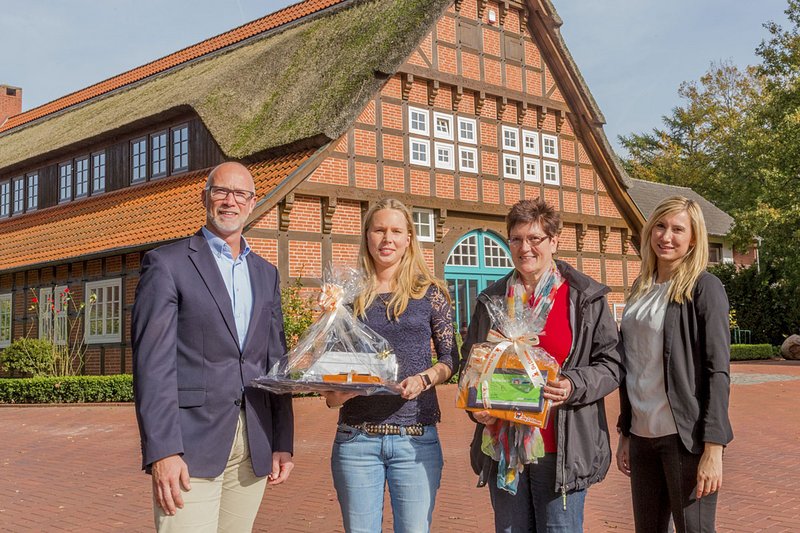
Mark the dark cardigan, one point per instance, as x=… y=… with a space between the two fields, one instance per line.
x=696 y=367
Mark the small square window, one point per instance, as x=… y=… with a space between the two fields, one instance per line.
x=443 y=126
x=467 y=130
x=619 y=310
x=424 y=224
x=511 y=166
x=531 y=169
x=468 y=159
x=418 y=121
x=420 y=152
x=550 y=146
x=444 y=156
x=530 y=142
x=551 y=173
x=510 y=139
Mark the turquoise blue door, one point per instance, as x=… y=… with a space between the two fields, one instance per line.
x=476 y=260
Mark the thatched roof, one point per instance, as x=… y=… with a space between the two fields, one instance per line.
x=293 y=83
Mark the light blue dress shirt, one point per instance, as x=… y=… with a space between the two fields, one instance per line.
x=237 y=280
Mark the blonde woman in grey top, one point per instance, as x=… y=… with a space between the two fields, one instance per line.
x=674 y=402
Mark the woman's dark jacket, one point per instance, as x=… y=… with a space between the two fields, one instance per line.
x=594 y=366
x=697 y=357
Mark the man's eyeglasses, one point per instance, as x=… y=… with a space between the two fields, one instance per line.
x=220 y=193
x=532 y=240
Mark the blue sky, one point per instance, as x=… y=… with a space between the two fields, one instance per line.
x=633 y=53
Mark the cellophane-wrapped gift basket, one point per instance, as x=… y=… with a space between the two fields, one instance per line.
x=505 y=375
x=337 y=352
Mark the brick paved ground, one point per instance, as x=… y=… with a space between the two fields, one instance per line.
x=76 y=468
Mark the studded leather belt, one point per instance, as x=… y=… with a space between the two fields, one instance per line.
x=415 y=430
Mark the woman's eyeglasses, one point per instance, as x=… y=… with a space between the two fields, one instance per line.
x=532 y=240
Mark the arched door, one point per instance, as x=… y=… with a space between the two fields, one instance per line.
x=477 y=259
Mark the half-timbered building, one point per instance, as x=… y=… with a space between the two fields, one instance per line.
x=457 y=108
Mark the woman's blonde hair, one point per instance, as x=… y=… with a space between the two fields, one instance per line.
x=693 y=263
x=412 y=278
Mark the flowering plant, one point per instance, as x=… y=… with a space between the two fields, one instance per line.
x=60 y=318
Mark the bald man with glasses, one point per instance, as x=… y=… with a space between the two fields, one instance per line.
x=206 y=321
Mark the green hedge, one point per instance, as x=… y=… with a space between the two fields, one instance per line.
x=747 y=352
x=72 y=389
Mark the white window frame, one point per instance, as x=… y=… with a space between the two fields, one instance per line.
x=32 y=183
x=424 y=218
x=507 y=158
x=450 y=150
x=98 y=172
x=530 y=142
x=99 y=305
x=536 y=177
x=426 y=123
x=45 y=313
x=5 y=198
x=60 y=315
x=466 y=149
x=552 y=154
x=494 y=255
x=65 y=181
x=82 y=180
x=180 y=148
x=465 y=253
x=551 y=165
x=447 y=119
x=139 y=160
x=415 y=160
x=474 y=128
x=619 y=309
x=6 y=319
x=18 y=190
x=513 y=134
x=159 y=147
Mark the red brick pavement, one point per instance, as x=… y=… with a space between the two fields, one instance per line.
x=76 y=468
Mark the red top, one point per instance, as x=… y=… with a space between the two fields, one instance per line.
x=557 y=340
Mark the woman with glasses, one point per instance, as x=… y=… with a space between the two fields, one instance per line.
x=392 y=440
x=674 y=401
x=581 y=335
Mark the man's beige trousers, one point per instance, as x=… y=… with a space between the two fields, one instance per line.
x=227 y=503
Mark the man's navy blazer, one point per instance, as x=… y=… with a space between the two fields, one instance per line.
x=189 y=375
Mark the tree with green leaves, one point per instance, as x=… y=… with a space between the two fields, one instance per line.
x=736 y=141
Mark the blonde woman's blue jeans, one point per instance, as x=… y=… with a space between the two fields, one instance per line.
x=362 y=465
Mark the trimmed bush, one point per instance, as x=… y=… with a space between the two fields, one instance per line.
x=747 y=352
x=30 y=357
x=70 y=389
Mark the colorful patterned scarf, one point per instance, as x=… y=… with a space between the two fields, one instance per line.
x=511 y=444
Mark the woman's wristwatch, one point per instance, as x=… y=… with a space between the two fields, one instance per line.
x=426 y=381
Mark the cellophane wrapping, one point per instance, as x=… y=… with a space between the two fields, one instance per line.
x=337 y=352
x=505 y=374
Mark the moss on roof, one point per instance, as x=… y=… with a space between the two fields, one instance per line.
x=310 y=79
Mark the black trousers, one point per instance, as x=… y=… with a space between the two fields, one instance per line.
x=663 y=483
